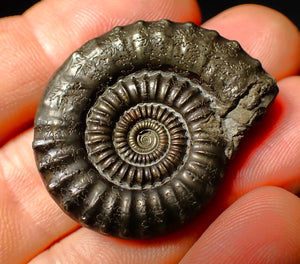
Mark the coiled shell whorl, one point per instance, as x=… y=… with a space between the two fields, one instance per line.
x=134 y=130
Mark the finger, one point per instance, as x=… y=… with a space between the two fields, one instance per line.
x=261 y=227
x=80 y=247
x=265 y=34
x=270 y=152
x=35 y=44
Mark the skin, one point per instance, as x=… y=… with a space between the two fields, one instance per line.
x=255 y=216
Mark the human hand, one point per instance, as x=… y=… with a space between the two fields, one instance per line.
x=246 y=223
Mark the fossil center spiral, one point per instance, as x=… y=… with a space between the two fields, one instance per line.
x=143 y=138
x=147 y=136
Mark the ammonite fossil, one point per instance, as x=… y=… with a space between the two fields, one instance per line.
x=134 y=130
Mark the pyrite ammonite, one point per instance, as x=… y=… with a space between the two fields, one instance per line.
x=134 y=130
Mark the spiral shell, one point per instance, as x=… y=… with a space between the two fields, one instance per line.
x=133 y=132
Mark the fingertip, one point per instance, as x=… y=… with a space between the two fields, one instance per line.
x=261 y=227
x=290 y=83
x=63 y=26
